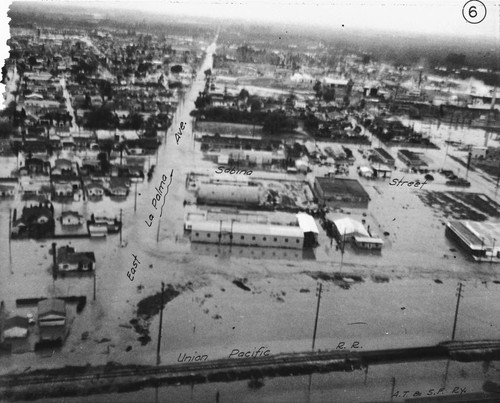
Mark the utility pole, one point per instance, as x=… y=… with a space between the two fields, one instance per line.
x=135 y=198
x=121 y=226
x=231 y=236
x=393 y=385
x=481 y=254
x=492 y=251
x=342 y=251
x=158 y=231
x=10 y=236
x=161 y=323
x=318 y=294
x=459 y=295
x=469 y=158
x=498 y=180
x=94 y=282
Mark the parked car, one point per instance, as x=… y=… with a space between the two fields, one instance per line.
x=458 y=182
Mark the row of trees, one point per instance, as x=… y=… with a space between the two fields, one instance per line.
x=106 y=119
x=272 y=122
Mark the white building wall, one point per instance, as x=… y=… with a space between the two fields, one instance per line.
x=240 y=238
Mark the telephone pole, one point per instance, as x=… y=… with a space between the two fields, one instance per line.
x=342 y=251
x=121 y=226
x=158 y=231
x=94 y=282
x=459 y=295
x=318 y=294
x=135 y=198
x=10 y=237
x=161 y=323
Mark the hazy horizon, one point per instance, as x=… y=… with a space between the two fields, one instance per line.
x=394 y=17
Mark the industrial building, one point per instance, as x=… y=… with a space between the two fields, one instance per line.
x=52 y=320
x=368 y=243
x=229 y=195
x=301 y=234
x=382 y=156
x=480 y=239
x=340 y=192
x=237 y=233
x=309 y=229
x=347 y=229
x=382 y=171
x=411 y=159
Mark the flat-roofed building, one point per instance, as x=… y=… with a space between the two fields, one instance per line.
x=309 y=229
x=368 y=243
x=382 y=156
x=480 y=239
x=52 y=319
x=410 y=158
x=232 y=195
x=340 y=192
x=250 y=234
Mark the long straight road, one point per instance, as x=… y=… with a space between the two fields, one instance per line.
x=174 y=158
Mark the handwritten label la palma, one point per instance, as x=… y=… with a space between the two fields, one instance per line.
x=157 y=198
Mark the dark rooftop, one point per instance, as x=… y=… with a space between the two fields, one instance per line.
x=341 y=186
x=384 y=153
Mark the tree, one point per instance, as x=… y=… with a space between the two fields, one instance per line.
x=243 y=94
x=329 y=94
x=10 y=110
x=255 y=105
x=317 y=89
x=135 y=121
x=100 y=119
x=176 y=69
x=32 y=60
x=6 y=129
x=278 y=122
x=202 y=101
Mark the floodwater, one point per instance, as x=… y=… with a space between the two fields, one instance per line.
x=378 y=384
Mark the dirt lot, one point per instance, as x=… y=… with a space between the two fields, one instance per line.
x=461 y=205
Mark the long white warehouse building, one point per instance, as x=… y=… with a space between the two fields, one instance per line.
x=237 y=233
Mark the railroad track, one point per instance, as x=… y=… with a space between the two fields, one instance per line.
x=283 y=364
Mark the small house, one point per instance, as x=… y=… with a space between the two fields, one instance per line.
x=71 y=218
x=16 y=327
x=347 y=229
x=363 y=242
x=63 y=189
x=52 y=319
x=7 y=191
x=95 y=190
x=70 y=260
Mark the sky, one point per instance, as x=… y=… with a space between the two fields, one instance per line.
x=423 y=16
